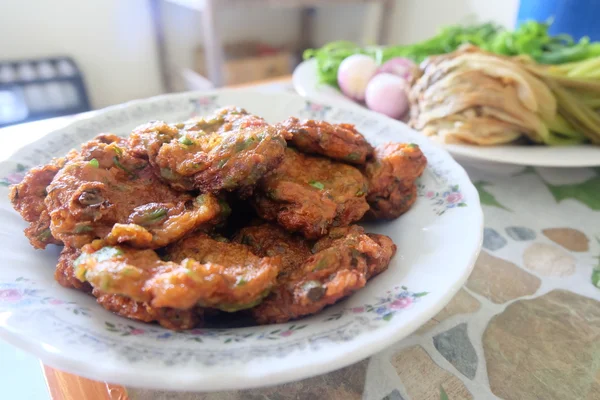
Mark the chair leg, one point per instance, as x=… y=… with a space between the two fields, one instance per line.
x=212 y=44
x=387 y=11
x=159 y=36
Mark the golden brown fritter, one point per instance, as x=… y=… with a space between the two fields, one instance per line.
x=269 y=240
x=311 y=194
x=203 y=272
x=28 y=197
x=341 y=265
x=378 y=249
x=106 y=192
x=229 y=150
x=338 y=141
x=168 y=317
x=392 y=174
x=238 y=278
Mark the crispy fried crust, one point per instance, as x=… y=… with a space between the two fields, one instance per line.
x=64 y=272
x=338 y=141
x=28 y=197
x=121 y=305
x=378 y=249
x=204 y=272
x=392 y=174
x=269 y=240
x=230 y=150
x=104 y=193
x=341 y=265
x=169 y=318
x=311 y=194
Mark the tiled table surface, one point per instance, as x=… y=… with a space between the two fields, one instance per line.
x=525 y=326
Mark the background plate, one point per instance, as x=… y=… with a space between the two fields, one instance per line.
x=306 y=84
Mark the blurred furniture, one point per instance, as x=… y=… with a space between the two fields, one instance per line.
x=212 y=42
x=247 y=61
x=42 y=88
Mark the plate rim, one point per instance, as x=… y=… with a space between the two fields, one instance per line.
x=240 y=378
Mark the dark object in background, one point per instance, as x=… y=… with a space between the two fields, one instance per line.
x=36 y=89
x=577 y=18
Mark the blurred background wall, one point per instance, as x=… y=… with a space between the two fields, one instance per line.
x=113 y=40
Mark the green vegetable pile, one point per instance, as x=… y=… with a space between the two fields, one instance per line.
x=531 y=39
x=576 y=87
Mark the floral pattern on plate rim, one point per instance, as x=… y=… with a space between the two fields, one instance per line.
x=26 y=293
x=442 y=200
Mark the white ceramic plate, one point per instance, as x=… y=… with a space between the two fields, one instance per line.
x=306 y=84
x=438 y=242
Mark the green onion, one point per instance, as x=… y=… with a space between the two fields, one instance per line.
x=193 y=275
x=247 y=240
x=322 y=264
x=119 y=165
x=186 y=141
x=354 y=156
x=128 y=270
x=107 y=253
x=83 y=229
x=45 y=235
x=200 y=200
x=225 y=209
x=239 y=146
x=94 y=163
x=152 y=217
x=105 y=283
x=168 y=174
x=317 y=185
x=596 y=278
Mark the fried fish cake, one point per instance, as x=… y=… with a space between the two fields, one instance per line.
x=106 y=192
x=28 y=197
x=244 y=278
x=269 y=240
x=229 y=150
x=341 y=265
x=202 y=272
x=311 y=194
x=378 y=249
x=338 y=141
x=167 y=317
x=392 y=174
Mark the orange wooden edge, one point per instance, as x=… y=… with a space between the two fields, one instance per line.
x=66 y=386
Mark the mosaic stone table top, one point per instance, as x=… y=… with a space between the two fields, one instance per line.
x=526 y=325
